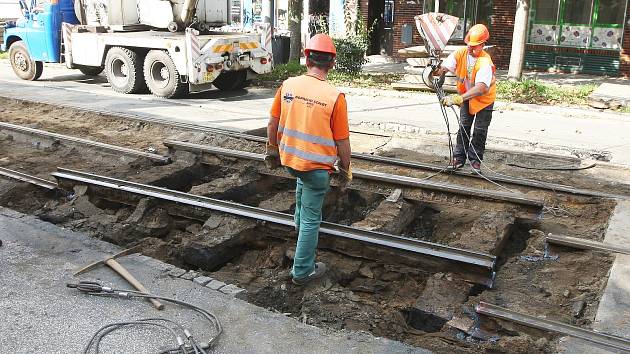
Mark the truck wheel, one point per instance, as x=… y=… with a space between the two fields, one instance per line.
x=231 y=80
x=91 y=70
x=162 y=76
x=123 y=68
x=23 y=65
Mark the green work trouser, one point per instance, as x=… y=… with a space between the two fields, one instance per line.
x=309 y=197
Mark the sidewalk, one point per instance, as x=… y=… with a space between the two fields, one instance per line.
x=612 y=92
x=383 y=64
x=41 y=315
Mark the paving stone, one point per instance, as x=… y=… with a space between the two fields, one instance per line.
x=232 y=289
x=279 y=202
x=202 y=280
x=442 y=297
x=220 y=244
x=215 y=285
x=190 y=275
x=176 y=272
x=389 y=217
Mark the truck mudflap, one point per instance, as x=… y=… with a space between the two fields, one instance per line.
x=206 y=61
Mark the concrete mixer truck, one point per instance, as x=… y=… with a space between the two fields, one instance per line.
x=168 y=47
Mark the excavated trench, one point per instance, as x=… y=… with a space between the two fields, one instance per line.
x=363 y=291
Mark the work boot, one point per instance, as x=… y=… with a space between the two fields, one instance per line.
x=318 y=272
x=476 y=166
x=455 y=165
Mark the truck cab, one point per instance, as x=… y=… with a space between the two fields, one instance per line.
x=168 y=54
x=35 y=38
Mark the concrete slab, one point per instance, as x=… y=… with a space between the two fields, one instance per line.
x=609 y=95
x=613 y=313
x=39 y=314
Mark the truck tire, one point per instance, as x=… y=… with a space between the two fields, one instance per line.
x=91 y=70
x=123 y=68
x=23 y=65
x=231 y=80
x=161 y=75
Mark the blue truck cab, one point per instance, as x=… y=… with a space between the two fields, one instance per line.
x=35 y=38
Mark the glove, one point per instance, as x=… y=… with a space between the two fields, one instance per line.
x=437 y=70
x=272 y=156
x=343 y=177
x=452 y=100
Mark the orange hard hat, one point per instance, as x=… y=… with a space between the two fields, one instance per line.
x=320 y=43
x=477 y=34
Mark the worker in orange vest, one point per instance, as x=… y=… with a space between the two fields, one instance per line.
x=476 y=89
x=308 y=134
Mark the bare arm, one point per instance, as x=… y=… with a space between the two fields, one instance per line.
x=272 y=131
x=479 y=89
x=343 y=150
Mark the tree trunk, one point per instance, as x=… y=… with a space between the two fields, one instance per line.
x=295 y=27
x=350 y=16
x=519 y=37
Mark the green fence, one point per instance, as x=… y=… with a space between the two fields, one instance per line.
x=573 y=62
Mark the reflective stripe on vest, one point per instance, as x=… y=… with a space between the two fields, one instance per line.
x=325 y=159
x=304 y=132
x=478 y=103
x=306 y=137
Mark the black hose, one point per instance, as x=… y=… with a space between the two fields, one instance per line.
x=94 y=288
x=552 y=168
x=107 y=329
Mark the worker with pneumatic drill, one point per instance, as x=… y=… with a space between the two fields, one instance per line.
x=307 y=133
x=476 y=89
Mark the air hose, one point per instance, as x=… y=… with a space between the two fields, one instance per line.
x=189 y=345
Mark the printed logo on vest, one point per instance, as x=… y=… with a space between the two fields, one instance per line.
x=288 y=97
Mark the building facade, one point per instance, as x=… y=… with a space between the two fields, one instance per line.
x=581 y=36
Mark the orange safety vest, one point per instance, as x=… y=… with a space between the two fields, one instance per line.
x=305 y=135
x=478 y=103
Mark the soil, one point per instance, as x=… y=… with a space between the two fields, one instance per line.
x=382 y=297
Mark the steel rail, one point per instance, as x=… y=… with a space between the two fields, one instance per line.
x=447 y=188
x=495 y=177
x=374 y=158
x=559 y=327
x=103 y=146
x=483 y=263
x=28 y=178
x=374 y=176
x=585 y=244
x=147 y=118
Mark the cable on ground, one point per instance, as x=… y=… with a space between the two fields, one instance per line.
x=552 y=168
x=188 y=345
